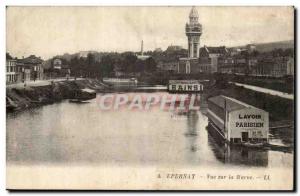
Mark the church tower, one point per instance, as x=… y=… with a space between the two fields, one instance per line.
x=193 y=31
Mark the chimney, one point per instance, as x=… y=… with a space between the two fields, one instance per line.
x=142 y=48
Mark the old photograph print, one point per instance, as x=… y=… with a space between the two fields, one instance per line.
x=150 y=98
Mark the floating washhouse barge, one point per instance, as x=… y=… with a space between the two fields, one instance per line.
x=185 y=86
x=236 y=122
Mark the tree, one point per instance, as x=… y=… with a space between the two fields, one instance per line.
x=74 y=66
x=129 y=62
x=90 y=59
x=106 y=65
x=150 y=65
x=90 y=64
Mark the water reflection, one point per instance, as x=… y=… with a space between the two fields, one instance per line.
x=68 y=133
x=239 y=155
x=192 y=136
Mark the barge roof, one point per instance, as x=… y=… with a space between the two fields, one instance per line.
x=231 y=103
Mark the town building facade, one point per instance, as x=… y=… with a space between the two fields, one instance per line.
x=209 y=58
x=290 y=67
x=168 y=66
x=11 y=69
x=24 y=72
x=34 y=64
x=60 y=68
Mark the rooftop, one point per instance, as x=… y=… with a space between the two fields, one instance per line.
x=143 y=57
x=216 y=50
x=231 y=103
x=32 y=59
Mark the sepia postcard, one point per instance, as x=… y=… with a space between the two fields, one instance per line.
x=150 y=98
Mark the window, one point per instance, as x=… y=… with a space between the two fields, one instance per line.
x=195 y=50
x=259 y=133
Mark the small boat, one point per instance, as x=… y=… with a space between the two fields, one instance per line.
x=10 y=105
x=253 y=145
x=83 y=95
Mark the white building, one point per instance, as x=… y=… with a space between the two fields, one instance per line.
x=11 y=70
x=57 y=63
x=290 y=66
x=237 y=122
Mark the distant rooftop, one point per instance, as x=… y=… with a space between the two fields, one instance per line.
x=32 y=59
x=142 y=57
x=174 y=48
x=215 y=50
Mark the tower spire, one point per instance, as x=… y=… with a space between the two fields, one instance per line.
x=194 y=13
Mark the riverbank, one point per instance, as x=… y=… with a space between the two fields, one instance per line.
x=21 y=97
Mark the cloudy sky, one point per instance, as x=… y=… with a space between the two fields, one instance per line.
x=48 y=31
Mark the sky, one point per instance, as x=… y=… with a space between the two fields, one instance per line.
x=50 y=31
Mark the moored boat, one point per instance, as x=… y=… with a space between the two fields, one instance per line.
x=10 y=105
x=83 y=95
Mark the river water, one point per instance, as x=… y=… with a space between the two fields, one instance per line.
x=78 y=134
